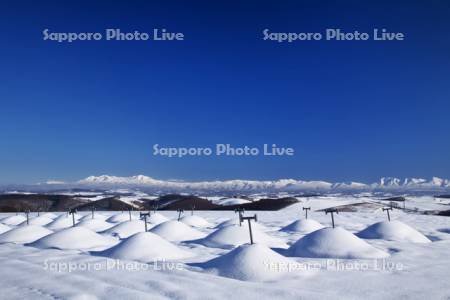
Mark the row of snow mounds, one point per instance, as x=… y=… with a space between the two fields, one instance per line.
x=334 y=243
x=235 y=235
x=126 y=229
x=176 y=231
x=393 y=231
x=248 y=262
x=195 y=221
x=24 y=234
x=74 y=238
x=303 y=226
x=144 y=247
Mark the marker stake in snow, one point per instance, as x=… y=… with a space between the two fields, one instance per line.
x=145 y=215
x=129 y=212
x=180 y=211
x=331 y=211
x=241 y=211
x=306 y=211
x=242 y=219
x=192 y=210
x=92 y=211
x=73 y=211
x=387 y=209
x=28 y=219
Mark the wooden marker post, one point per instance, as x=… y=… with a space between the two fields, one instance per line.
x=129 y=212
x=145 y=215
x=331 y=211
x=28 y=217
x=92 y=211
x=192 y=210
x=387 y=209
x=242 y=219
x=241 y=211
x=306 y=211
x=180 y=211
x=73 y=211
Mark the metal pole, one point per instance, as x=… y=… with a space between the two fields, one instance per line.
x=250 y=228
x=129 y=213
x=145 y=220
x=332 y=219
x=28 y=220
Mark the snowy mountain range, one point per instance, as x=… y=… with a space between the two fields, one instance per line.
x=385 y=183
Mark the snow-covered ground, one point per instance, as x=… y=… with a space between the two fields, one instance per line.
x=97 y=261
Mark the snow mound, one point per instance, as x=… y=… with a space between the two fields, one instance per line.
x=334 y=243
x=232 y=201
x=393 y=231
x=97 y=216
x=49 y=215
x=4 y=228
x=122 y=217
x=67 y=216
x=234 y=222
x=13 y=220
x=195 y=221
x=95 y=224
x=61 y=222
x=228 y=223
x=41 y=221
x=24 y=234
x=249 y=263
x=156 y=219
x=74 y=238
x=126 y=229
x=303 y=226
x=145 y=247
x=176 y=231
x=235 y=235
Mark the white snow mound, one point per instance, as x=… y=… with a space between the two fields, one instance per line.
x=249 y=263
x=303 y=226
x=97 y=216
x=24 y=234
x=334 y=243
x=157 y=218
x=145 y=247
x=74 y=238
x=49 y=215
x=195 y=221
x=235 y=235
x=61 y=222
x=176 y=231
x=4 y=228
x=122 y=217
x=13 y=220
x=393 y=231
x=126 y=229
x=95 y=224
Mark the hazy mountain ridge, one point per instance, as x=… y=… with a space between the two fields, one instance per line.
x=385 y=183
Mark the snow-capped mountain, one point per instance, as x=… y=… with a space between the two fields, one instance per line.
x=385 y=183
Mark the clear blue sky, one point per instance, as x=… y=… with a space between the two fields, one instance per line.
x=352 y=110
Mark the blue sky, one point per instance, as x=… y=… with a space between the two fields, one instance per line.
x=352 y=110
